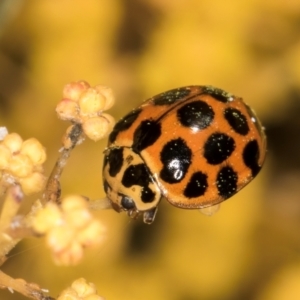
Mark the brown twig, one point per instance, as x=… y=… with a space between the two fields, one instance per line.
x=30 y=290
x=73 y=137
x=12 y=227
x=10 y=208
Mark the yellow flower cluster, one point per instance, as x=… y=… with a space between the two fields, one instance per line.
x=80 y=290
x=68 y=228
x=21 y=163
x=84 y=105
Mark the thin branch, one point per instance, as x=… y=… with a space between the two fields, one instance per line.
x=100 y=204
x=30 y=290
x=73 y=137
x=10 y=208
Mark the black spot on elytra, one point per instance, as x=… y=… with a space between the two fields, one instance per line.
x=115 y=161
x=124 y=124
x=171 y=96
x=217 y=93
x=251 y=157
x=227 y=182
x=218 y=147
x=196 y=186
x=176 y=158
x=236 y=120
x=146 y=135
x=196 y=114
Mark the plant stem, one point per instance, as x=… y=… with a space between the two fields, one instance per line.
x=29 y=290
x=73 y=137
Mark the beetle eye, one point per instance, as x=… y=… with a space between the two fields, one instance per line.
x=127 y=203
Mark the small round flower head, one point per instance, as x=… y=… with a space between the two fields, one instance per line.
x=73 y=90
x=84 y=105
x=69 y=229
x=80 y=290
x=98 y=127
x=21 y=163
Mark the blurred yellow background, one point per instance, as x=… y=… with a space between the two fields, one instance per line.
x=250 y=249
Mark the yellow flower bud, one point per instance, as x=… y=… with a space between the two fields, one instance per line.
x=5 y=156
x=20 y=165
x=91 y=102
x=98 y=127
x=46 y=218
x=73 y=202
x=69 y=228
x=13 y=142
x=68 y=294
x=92 y=234
x=33 y=183
x=60 y=237
x=67 y=110
x=83 y=288
x=73 y=90
x=69 y=256
x=34 y=150
x=80 y=290
x=108 y=94
x=78 y=218
x=76 y=213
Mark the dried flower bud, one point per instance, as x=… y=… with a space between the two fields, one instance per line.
x=34 y=150
x=98 y=127
x=46 y=218
x=86 y=236
x=80 y=290
x=91 y=102
x=60 y=237
x=33 y=183
x=5 y=156
x=21 y=162
x=69 y=256
x=73 y=202
x=73 y=90
x=67 y=110
x=108 y=94
x=83 y=288
x=13 y=142
x=68 y=229
x=77 y=215
x=20 y=165
x=84 y=105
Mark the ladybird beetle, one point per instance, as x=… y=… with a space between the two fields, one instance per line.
x=195 y=146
